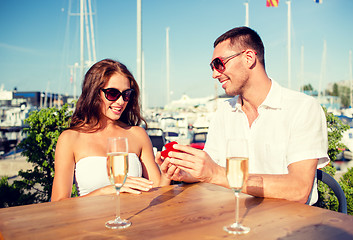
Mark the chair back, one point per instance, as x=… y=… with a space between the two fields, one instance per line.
x=158 y=142
x=157 y=138
x=336 y=188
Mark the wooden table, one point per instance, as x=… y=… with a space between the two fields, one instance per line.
x=195 y=211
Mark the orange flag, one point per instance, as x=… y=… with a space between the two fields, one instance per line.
x=272 y=3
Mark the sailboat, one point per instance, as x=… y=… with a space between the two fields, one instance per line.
x=87 y=56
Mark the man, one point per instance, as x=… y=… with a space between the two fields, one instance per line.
x=286 y=130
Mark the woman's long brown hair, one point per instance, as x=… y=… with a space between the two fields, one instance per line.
x=88 y=113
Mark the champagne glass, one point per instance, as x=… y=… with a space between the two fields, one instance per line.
x=237 y=173
x=117 y=168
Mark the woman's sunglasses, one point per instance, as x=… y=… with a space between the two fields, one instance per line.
x=113 y=94
x=220 y=63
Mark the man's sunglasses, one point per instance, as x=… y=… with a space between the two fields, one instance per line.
x=113 y=94
x=220 y=63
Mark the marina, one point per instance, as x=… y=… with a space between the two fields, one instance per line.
x=181 y=122
x=185 y=121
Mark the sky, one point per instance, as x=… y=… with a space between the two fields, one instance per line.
x=39 y=41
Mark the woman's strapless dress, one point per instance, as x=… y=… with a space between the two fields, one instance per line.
x=91 y=172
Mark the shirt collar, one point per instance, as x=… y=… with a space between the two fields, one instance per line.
x=272 y=100
x=274 y=96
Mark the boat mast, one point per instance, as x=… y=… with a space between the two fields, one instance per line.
x=301 y=86
x=289 y=43
x=167 y=65
x=88 y=39
x=323 y=69
x=143 y=95
x=81 y=41
x=246 y=14
x=92 y=32
x=350 y=74
x=86 y=25
x=139 y=50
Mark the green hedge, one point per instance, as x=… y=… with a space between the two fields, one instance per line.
x=327 y=198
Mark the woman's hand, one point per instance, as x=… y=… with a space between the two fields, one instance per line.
x=135 y=185
x=132 y=185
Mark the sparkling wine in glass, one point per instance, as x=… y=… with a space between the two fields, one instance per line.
x=117 y=168
x=237 y=173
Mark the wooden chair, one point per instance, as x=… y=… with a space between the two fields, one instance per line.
x=336 y=188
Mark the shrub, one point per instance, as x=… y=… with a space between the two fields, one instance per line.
x=327 y=198
x=335 y=129
x=44 y=128
x=346 y=182
x=10 y=195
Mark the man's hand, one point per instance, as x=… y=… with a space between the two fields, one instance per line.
x=171 y=171
x=190 y=165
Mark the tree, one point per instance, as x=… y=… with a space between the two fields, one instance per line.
x=308 y=87
x=345 y=96
x=44 y=128
x=335 y=129
x=335 y=90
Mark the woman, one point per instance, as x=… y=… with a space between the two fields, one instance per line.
x=107 y=107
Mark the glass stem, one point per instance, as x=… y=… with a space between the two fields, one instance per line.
x=237 y=208
x=117 y=205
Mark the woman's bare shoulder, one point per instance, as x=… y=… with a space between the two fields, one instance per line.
x=69 y=135
x=138 y=128
x=139 y=131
